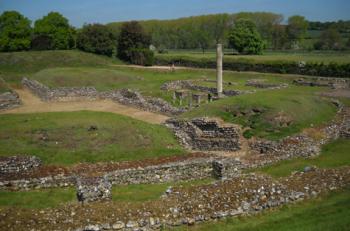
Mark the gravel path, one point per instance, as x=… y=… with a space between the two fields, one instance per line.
x=32 y=104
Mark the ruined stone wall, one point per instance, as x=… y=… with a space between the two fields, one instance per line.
x=187 y=84
x=124 y=96
x=260 y=83
x=336 y=83
x=15 y=164
x=205 y=134
x=200 y=168
x=9 y=100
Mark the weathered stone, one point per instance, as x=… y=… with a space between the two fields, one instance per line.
x=93 y=189
x=9 y=100
x=16 y=164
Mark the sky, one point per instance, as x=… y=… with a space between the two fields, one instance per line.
x=103 y=11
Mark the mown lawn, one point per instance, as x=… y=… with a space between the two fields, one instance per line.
x=328 y=213
x=334 y=154
x=300 y=105
x=64 y=137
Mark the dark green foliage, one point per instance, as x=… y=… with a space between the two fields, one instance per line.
x=56 y=28
x=15 y=32
x=133 y=42
x=283 y=67
x=330 y=39
x=142 y=56
x=245 y=38
x=297 y=28
x=41 y=42
x=96 y=38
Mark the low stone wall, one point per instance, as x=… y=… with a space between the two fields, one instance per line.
x=187 y=84
x=124 y=96
x=60 y=94
x=9 y=100
x=335 y=83
x=200 y=168
x=206 y=134
x=260 y=83
x=16 y=164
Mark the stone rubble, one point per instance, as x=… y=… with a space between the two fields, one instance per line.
x=16 y=164
x=260 y=83
x=9 y=100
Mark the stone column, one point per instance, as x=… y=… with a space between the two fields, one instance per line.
x=219 y=69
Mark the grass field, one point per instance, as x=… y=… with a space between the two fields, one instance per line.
x=315 y=57
x=64 y=138
x=298 y=104
x=329 y=213
x=3 y=86
x=334 y=154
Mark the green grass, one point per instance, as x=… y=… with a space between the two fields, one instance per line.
x=42 y=198
x=325 y=56
x=3 y=86
x=63 y=137
x=329 y=213
x=334 y=154
x=46 y=198
x=299 y=104
x=15 y=65
x=147 y=192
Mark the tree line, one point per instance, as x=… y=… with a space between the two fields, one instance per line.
x=247 y=33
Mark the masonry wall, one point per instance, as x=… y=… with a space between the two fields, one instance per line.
x=9 y=100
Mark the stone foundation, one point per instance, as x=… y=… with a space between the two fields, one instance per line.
x=206 y=134
x=16 y=164
x=335 y=83
x=9 y=100
x=260 y=83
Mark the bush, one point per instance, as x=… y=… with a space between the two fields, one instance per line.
x=96 y=38
x=143 y=57
x=134 y=43
x=41 y=42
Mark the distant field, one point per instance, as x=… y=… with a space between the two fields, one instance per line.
x=64 y=137
x=325 y=57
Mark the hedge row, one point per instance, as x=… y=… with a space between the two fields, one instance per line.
x=283 y=67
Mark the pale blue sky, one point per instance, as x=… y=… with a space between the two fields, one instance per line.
x=103 y=11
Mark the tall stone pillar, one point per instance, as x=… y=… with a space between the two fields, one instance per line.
x=219 y=69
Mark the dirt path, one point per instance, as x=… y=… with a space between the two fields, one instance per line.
x=32 y=104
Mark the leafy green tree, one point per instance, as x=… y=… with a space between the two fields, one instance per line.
x=297 y=28
x=203 y=39
x=57 y=28
x=133 y=44
x=15 y=31
x=330 y=39
x=245 y=38
x=96 y=38
x=279 y=38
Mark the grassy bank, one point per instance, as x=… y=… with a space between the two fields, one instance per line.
x=334 y=154
x=65 y=138
x=296 y=104
x=329 y=213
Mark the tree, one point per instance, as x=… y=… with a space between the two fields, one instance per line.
x=330 y=39
x=55 y=27
x=203 y=40
x=15 y=31
x=96 y=38
x=245 y=38
x=133 y=44
x=279 y=38
x=297 y=28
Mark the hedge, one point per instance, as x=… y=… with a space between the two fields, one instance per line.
x=283 y=67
